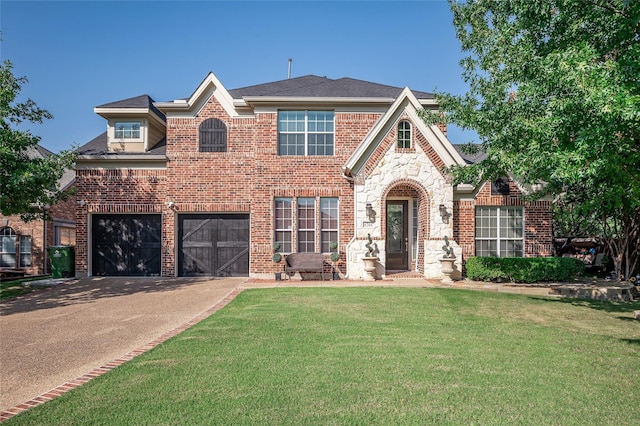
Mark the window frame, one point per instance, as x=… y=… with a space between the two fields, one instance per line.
x=286 y=245
x=292 y=124
x=312 y=221
x=25 y=255
x=131 y=136
x=497 y=230
x=404 y=137
x=8 y=233
x=306 y=213
x=332 y=231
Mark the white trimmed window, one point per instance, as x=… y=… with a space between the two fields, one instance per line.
x=328 y=223
x=306 y=225
x=499 y=231
x=310 y=232
x=25 y=251
x=7 y=247
x=12 y=254
x=283 y=224
x=127 y=130
x=404 y=134
x=305 y=132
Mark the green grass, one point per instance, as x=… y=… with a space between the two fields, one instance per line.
x=18 y=287
x=377 y=356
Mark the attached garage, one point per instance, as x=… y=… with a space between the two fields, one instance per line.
x=213 y=245
x=126 y=245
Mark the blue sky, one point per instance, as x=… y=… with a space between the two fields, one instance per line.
x=77 y=55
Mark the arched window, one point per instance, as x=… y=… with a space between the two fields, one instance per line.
x=404 y=134
x=7 y=247
x=213 y=135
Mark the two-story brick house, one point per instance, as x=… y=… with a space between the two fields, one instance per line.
x=206 y=185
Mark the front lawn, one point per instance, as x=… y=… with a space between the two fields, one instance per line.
x=383 y=356
x=18 y=287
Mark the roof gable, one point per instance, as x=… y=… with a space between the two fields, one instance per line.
x=408 y=103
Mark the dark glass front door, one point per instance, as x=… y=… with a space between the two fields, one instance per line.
x=397 y=245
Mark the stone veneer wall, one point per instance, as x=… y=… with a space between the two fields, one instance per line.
x=389 y=168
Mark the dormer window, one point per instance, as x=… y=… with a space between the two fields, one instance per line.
x=404 y=134
x=127 y=130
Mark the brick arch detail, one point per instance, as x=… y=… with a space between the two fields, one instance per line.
x=424 y=202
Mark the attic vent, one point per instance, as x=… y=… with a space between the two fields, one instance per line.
x=213 y=136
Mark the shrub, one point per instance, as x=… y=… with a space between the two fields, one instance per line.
x=523 y=269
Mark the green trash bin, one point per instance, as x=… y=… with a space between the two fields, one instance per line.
x=63 y=262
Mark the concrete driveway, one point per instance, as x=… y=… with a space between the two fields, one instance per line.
x=52 y=336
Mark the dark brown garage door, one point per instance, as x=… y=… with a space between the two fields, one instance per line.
x=213 y=245
x=126 y=245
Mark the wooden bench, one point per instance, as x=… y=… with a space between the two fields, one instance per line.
x=304 y=262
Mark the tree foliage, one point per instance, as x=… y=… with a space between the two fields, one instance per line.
x=27 y=183
x=554 y=95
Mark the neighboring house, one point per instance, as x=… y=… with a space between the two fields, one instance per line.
x=23 y=245
x=206 y=185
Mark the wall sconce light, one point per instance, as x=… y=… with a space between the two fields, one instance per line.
x=444 y=213
x=171 y=205
x=81 y=203
x=371 y=213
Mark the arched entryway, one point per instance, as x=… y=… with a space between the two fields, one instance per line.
x=405 y=225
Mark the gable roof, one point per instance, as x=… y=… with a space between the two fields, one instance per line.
x=99 y=146
x=408 y=102
x=323 y=87
x=470 y=158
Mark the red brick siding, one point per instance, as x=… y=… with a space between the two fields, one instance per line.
x=537 y=216
x=41 y=233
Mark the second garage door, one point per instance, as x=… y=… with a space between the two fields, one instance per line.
x=213 y=245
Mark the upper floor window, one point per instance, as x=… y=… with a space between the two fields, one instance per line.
x=404 y=134
x=213 y=136
x=305 y=132
x=499 y=231
x=127 y=130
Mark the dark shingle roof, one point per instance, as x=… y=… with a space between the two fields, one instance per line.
x=98 y=146
x=470 y=158
x=142 y=101
x=314 y=86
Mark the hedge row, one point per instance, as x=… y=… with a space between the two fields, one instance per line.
x=523 y=269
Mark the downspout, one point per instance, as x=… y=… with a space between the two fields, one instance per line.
x=45 y=266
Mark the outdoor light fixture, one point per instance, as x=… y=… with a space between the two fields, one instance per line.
x=371 y=214
x=444 y=213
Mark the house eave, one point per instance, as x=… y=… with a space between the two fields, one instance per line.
x=108 y=113
x=118 y=161
x=311 y=100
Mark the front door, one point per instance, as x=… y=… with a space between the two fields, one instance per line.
x=397 y=245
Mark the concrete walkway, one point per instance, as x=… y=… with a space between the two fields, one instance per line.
x=56 y=339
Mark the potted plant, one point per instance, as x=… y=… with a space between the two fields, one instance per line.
x=335 y=257
x=447 y=261
x=370 y=259
x=277 y=258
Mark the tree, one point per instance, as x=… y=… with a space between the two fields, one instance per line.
x=27 y=184
x=554 y=96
